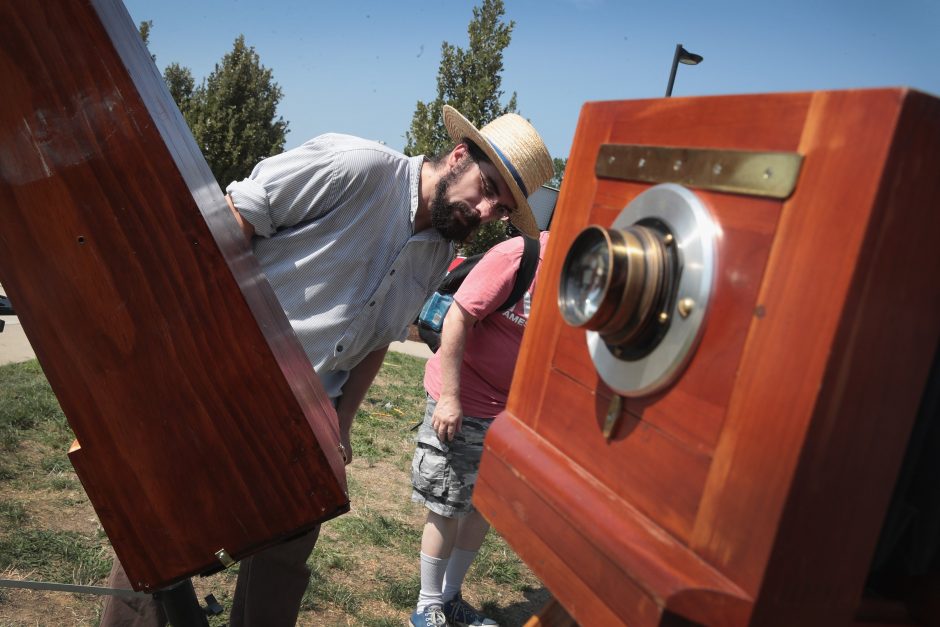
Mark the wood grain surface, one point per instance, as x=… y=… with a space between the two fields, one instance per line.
x=200 y=423
x=770 y=462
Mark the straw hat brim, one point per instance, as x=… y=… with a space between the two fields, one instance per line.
x=459 y=127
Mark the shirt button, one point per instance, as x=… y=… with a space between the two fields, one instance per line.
x=392 y=273
x=372 y=304
x=339 y=348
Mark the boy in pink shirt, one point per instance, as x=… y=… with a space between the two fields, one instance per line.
x=467 y=382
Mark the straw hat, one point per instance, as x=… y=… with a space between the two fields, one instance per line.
x=517 y=151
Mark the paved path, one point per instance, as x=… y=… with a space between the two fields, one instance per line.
x=14 y=346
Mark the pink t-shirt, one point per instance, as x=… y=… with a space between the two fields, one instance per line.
x=493 y=343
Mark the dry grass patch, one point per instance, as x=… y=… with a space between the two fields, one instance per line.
x=365 y=566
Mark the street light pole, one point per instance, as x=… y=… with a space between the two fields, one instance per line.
x=681 y=56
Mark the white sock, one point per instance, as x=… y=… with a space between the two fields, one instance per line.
x=460 y=561
x=432 y=578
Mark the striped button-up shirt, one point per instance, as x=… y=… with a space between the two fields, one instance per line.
x=334 y=225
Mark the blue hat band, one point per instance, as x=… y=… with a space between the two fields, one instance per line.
x=510 y=167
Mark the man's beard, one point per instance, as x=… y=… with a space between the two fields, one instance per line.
x=444 y=214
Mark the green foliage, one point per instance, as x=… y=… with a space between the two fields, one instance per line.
x=12 y=514
x=400 y=592
x=144 y=29
x=323 y=590
x=469 y=80
x=559 y=165
x=370 y=528
x=496 y=562
x=27 y=405
x=485 y=238
x=62 y=482
x=179 y=80
x=63 y=556
x=232 y=113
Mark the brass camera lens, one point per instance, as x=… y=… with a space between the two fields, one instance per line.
x=616 y=282
x=586 y=278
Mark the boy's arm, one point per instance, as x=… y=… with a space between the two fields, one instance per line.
x=448 y=415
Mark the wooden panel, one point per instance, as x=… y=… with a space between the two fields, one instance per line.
x=884 y=338
x=552 y=614
x=645 y=571
x=201 y=423
x=776 y=398
x=715 y=122
x=645 y=461
x=797 y=404
x=747 y=228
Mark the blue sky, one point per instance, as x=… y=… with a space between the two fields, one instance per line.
x=359 y=66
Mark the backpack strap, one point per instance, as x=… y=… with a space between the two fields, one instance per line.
x=526 y=273
x=452 y=282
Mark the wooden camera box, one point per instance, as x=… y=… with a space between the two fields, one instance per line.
x=203 y=433
x=740 y=312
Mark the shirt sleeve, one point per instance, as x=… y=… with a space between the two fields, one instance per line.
x=289 y=188
x=491 y=281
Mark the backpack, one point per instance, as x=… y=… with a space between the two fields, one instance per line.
x=431 y=319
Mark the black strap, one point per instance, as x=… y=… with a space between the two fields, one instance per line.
x=526 y=272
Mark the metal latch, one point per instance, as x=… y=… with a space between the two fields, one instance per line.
x=224 y=558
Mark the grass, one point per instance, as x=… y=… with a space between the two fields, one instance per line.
x=55 y=555
x=365 y=566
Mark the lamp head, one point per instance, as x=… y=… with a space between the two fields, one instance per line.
x=689 y=58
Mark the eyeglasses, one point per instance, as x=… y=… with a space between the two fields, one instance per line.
x=491 y=195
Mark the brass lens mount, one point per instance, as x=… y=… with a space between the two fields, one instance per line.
x=641 y=288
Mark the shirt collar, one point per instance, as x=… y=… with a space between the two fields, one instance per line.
x=414 y=174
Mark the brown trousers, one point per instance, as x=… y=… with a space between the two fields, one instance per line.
x=270 y=587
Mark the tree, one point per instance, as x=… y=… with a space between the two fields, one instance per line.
x=559 y=165
x=468 y=80
x=144 y=29
x=179 y=80
x=232 y=113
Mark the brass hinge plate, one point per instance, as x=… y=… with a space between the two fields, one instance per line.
x=755 y=173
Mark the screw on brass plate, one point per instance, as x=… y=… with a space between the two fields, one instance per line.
x=716 y=169
x=611 y=159
x=677 y=165
x=224 y=557
x=663 y=317
x=613 y=416
x=685 y=307
x=641 y=163
x=768 y=173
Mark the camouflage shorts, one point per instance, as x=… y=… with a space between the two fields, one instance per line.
x=443 y=473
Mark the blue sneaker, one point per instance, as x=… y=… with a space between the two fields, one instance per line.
x=432 y=616
x=462 y=614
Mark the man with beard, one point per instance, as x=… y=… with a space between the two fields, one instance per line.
x=353 y=237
